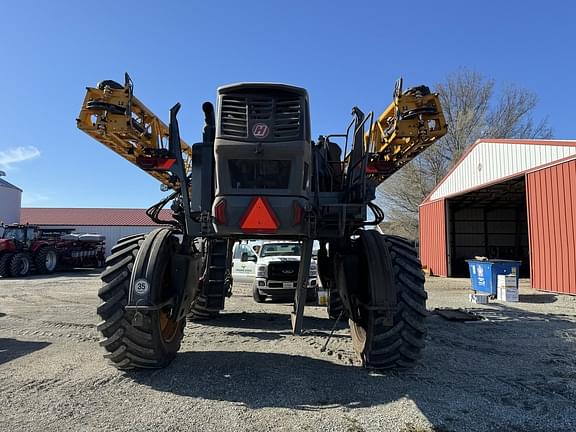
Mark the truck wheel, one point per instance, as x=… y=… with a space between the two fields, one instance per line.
x=258 y=298
x=390 y=264
x=46 y=260
x=142 y=339
x=5 y=264
x=20 y=265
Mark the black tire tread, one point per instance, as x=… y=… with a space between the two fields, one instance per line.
x=258 y=298
x=199 y=308
x=200 y=311
x=399 y=345
x=126 y=346
x=13 y=266
x=40 y=260
x=5 y=259
x=335 y=307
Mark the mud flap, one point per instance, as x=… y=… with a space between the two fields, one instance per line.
x=151 y=251
x=186 y=275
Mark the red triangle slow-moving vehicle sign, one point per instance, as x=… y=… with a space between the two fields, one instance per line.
x=259 y=218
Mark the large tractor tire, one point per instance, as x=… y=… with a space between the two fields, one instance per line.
x=214 y=283
x=46 y=260
x=200 y=310
x=142 y=339
x=5 y=264
x=390 y=264
x=20 y=265
x=335 y=307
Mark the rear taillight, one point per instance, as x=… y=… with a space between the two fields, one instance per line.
x=297 y=213
x=220 y=212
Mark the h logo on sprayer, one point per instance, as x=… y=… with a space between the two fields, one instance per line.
x=260 y=130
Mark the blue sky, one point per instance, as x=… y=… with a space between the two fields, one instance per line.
x=344 y=53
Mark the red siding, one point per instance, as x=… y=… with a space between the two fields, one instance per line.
x=552 y=220
x=433 y=251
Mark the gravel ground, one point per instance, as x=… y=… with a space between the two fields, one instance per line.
x=513 y=371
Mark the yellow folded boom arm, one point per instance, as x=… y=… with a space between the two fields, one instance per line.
x=113 y=116
x=409 y=125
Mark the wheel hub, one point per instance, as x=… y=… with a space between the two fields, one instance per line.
x=24 y=266
x=358 y=336
x=168 y=326
x=51 y=260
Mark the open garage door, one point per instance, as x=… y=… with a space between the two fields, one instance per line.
x=490 y=222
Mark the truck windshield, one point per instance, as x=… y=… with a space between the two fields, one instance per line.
x=277 y=249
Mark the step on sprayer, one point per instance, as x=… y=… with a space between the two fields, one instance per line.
x=257 y=174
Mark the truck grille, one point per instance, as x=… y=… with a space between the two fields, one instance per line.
x=234 y=116
x=283 y=271
x=282 y=114
x=287 y=118
x=261 y=108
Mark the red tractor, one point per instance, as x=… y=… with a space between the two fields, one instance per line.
x=26 y=248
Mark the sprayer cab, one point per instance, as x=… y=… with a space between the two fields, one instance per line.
x=263 y=157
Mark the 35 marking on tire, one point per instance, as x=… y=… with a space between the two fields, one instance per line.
x=141 y=286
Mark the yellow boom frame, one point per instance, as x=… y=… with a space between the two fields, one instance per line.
x=409 y=125
x=112 y=115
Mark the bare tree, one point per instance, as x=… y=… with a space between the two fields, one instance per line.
x=473 y=110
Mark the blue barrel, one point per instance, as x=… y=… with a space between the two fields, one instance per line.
x=484 y=274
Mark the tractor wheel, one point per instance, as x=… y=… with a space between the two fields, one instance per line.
x=335 y=306
x=390 y=264
x=199 y=310
x=5 y=264
x=46 y=260
x=258 y=298
x=214 y=285
x=20 y=265
x=142 y=339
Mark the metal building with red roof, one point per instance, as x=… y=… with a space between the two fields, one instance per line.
x=506 y=199
x=113 y=223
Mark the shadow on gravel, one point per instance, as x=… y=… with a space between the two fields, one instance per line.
x=11 y=349
x=77 y=273
x=260 y=335
x=269 y=321
x=260 y=379
x=513 y=371
x=537 y=298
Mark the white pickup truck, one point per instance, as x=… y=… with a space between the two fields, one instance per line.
x=274 y=269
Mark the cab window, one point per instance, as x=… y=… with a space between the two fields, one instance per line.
x=259 y=174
